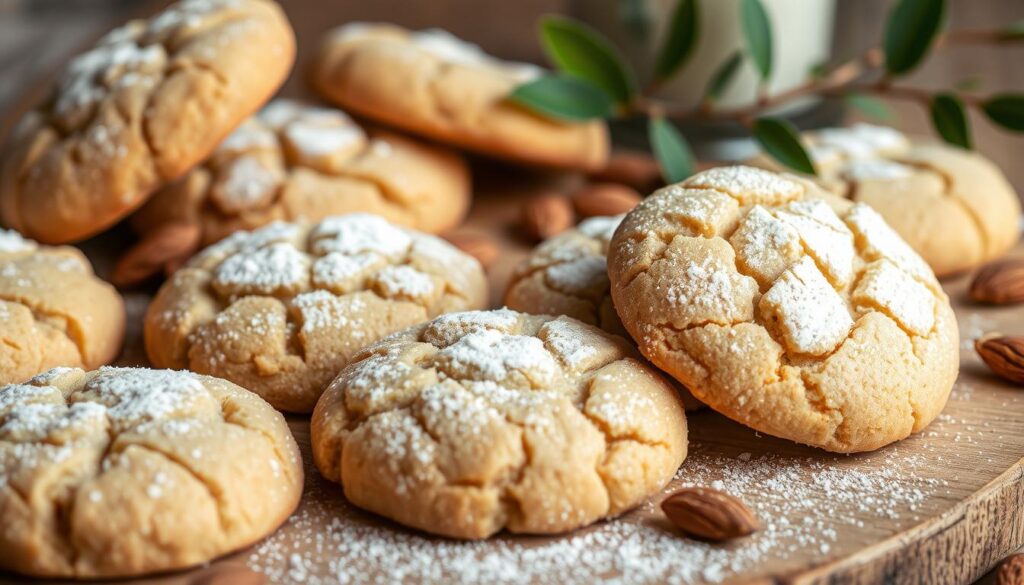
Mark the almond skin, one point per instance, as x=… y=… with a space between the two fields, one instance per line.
x=709 y=514
x=1011 y=570
x=547 y=215
x=479 y=246
x=169 y=243
x=638 y=170
x=999 y=283
x=1003 y=354
x=604 y=199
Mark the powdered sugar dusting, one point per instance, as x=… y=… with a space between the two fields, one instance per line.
x=749 y=185
x=907 y=300
x=813 y=317
x=11 y=241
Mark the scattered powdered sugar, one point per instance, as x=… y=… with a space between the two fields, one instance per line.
x=707 y=287
x=805 y=506
x=356 y=233
x=136 y=395
x=447 y=329
x=824 y=236
x=313 y=138
x=749 y=185
x=251 y=135
x=12 y=241
x=487 y=354
x=404 y=282
x=572 y=341
x=813 y=317
x=883 y=242
x=340 y=272
x=908 y=301
x=862 y=141
x=249 y=181
x=578 y=276
x=279 y=266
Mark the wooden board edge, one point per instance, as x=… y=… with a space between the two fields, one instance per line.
x=979 y=530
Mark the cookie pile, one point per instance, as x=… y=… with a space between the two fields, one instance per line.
x=304 y=276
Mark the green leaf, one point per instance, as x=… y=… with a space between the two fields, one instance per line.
x=582 y=52
x=781 y=141
x=758 y=31
x=910 y=32
x=1007 y=110
x=683 y=32
x=950 y=120
x=723 y=76
x=870 y=107
x=1014 y=32
x=671 y=149
x=565 y=98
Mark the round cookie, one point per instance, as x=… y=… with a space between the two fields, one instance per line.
x=434 y=84
x=295 y=161
x=953 y=206
x=53 y=310
x=121 y=472
x=151 y=100
x=488 y=420
x=802 y=317
x=283 y=309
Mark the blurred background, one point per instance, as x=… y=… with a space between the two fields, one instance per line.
x=37 y=35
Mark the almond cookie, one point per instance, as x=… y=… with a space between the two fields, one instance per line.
x=801 y=317
x=295 y=161
x=488 y=420
x=122 y=471
x=568 y=275
x=437 y=85
x=283 y=309
x=53 y=310
x=953 y=206
x=151 y=100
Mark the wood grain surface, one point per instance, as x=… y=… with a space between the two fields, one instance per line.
x=941 y=507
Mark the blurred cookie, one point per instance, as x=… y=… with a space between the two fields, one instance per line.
x=121 y=472
x=801 y=316
x=282 y=309
x=150 y=101
x=488 y=420
x=434 y=84
x=294 y=161
x=953 y=206
x=53 y=310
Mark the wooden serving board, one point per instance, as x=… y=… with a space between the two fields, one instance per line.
x=940 y=507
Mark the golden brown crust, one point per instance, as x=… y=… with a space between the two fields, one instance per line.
x=294 y=161
x=434 y=85
x=135 y=471
x=53 y=310
x=802 y=316
x=282 y=309
x=151 y=100
x=482 y=421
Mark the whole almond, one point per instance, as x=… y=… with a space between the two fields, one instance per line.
x=547 y=215
x=999 y=283
x=638 y=170
x=1011 y=570
x=604 y=199
x=479 y=246
x=709 y=514
x=1004 y=355
x=167 y=243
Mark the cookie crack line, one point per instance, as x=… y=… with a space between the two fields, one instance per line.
x=949 y=193
x=36 y=312
x=281 y=457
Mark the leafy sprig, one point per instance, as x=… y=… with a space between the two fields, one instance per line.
x=593 y=81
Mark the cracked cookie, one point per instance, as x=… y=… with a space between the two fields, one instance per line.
x=488 y=420
x=281 y=310
x=568 y=275
x=53 y=310
x=296 y=161
x=123 y=471
x=148 y=102
x=953 y=206
x=794 y=312
x=434 y=84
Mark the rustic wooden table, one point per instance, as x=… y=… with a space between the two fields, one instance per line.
x=943 y=506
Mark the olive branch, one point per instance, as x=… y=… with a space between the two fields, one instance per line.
x=592 y=81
